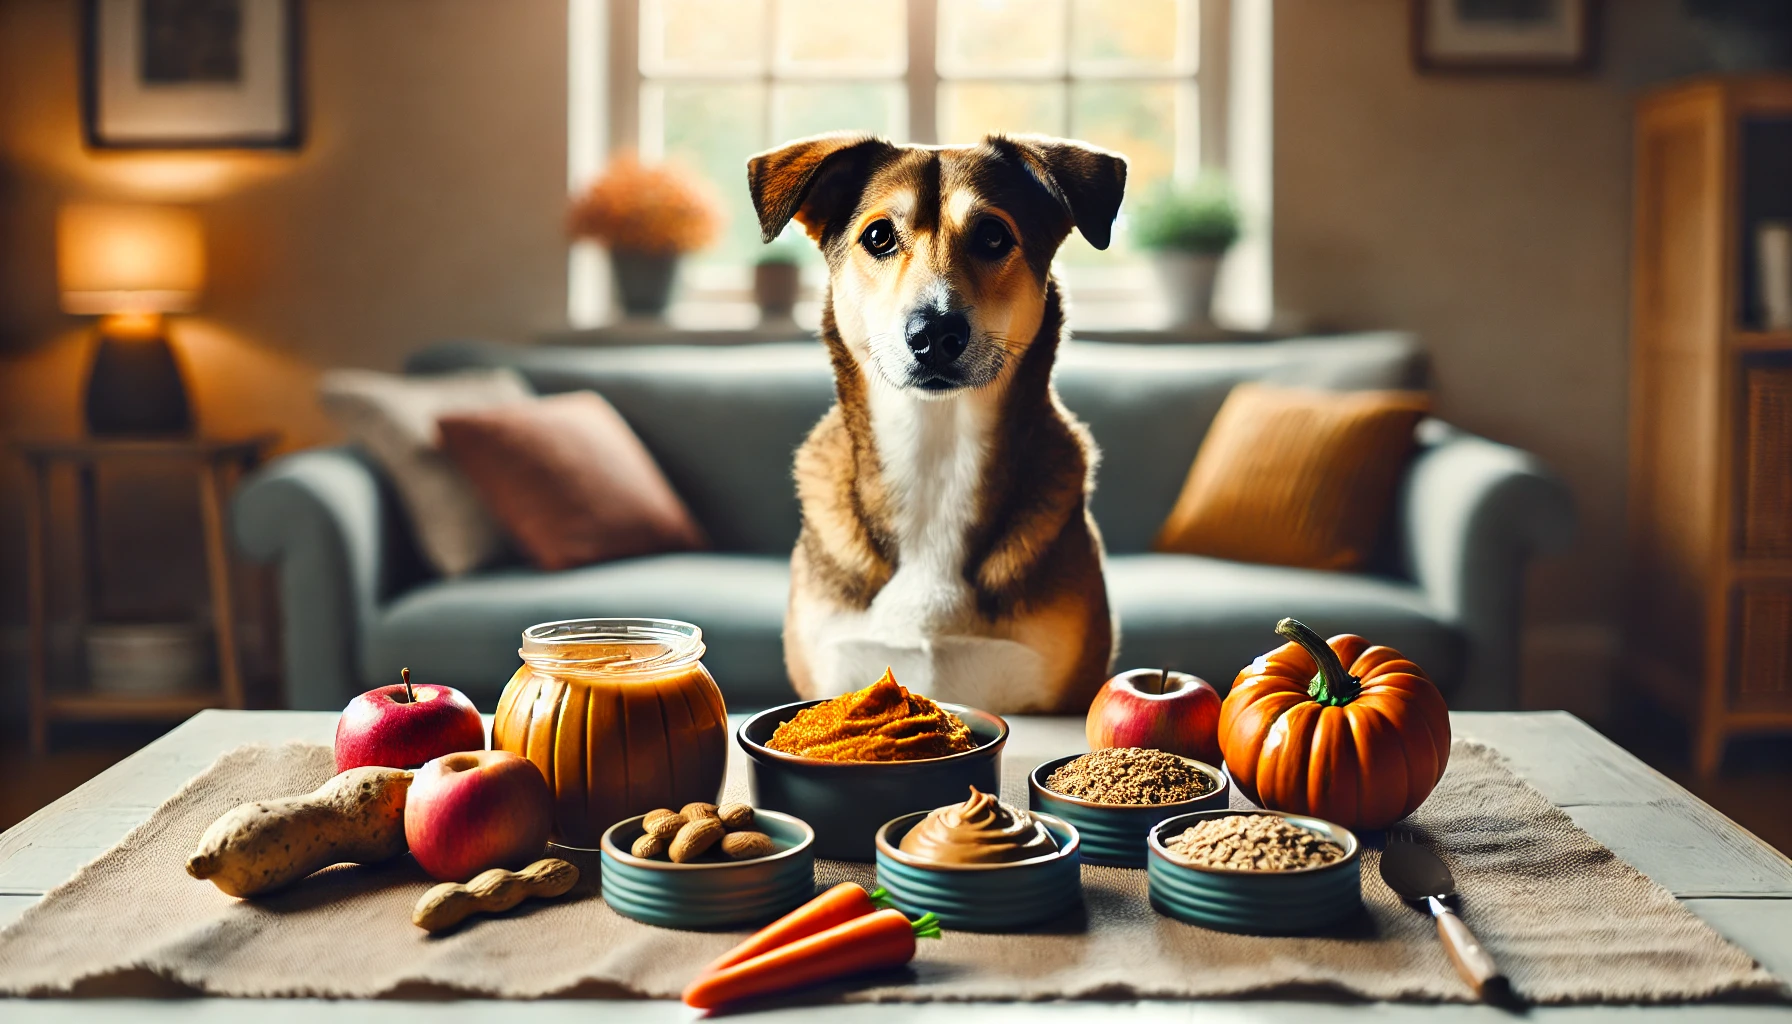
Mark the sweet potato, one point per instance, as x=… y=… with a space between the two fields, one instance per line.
x=358 y=817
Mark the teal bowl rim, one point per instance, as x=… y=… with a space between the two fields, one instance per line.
x=1353 y=846
x=889 y=849
x=1036 y=784
x=759 y=751
x=608 y=845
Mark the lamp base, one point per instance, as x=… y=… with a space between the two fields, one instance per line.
x=135 y=386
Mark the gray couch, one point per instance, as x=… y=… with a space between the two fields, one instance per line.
x=358 y=602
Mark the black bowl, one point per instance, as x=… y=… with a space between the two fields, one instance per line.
x=846 y=802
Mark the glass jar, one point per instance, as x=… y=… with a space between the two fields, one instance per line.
x=620 y=715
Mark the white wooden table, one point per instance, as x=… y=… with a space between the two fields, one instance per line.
x=1737 y=883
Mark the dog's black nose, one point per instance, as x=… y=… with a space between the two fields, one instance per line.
x=938 y=339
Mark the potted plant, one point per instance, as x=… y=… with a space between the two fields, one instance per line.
x=648 y=216
x=1187 y=230
x=776 y=276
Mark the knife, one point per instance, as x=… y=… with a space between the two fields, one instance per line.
x=1419 y=876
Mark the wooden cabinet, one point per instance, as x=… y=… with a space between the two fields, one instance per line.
x=1710 y=503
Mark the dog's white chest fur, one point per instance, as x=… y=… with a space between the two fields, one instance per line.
x=933 y=455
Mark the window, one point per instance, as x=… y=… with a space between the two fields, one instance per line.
x=709 y=82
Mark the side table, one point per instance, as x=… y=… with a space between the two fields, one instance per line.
x=217 y=463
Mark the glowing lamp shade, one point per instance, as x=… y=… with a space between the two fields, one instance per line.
x=129 y=259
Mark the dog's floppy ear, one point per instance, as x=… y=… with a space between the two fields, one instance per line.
x=1090 y=182
x=814 y=180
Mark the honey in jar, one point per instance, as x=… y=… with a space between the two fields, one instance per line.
x=620 y=716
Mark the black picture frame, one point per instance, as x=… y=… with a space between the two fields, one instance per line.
x=292 y=102
x=1587 y=23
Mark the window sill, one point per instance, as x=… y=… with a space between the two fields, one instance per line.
x=709 y=324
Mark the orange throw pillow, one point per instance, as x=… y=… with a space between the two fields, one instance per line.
x=569 y=480
x=1291 y=476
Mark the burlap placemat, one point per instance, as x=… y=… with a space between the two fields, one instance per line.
x=1567 y=920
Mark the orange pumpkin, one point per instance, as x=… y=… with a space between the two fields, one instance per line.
x=1362 y=746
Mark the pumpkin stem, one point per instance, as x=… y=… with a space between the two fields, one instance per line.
x=1332 y=686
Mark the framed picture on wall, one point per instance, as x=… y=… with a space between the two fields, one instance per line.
x=191 y=74
x=1504 y=36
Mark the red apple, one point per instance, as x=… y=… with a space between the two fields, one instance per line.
x=401 y=726
x=475 y=810
x=1157 y=709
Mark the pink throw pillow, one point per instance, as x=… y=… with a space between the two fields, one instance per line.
x=569 y=480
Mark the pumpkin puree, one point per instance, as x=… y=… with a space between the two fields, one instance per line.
x=882 y=722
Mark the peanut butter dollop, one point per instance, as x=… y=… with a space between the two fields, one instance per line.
x=982 y=830
x=882 y=722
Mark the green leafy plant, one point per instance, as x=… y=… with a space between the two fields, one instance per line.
x=1202 y=217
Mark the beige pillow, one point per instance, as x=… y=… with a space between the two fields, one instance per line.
x=569 y=480
x=394 y=418
x=1292 y=476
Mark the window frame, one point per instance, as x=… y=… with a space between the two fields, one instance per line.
x=720 y=295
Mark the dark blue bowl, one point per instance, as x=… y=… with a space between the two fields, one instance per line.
x=982 y=897
x=710 y=894
x=848 y=801
x=1256 y=902
x=1114 y=834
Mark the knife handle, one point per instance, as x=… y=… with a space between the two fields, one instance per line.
x=1472 y=960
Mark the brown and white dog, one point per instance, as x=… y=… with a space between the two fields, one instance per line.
x=946 y=529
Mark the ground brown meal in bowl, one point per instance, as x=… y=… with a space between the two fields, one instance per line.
x=1253 y=842
x=1130 y=775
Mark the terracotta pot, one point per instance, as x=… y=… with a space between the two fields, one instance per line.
x=774 y=288
x=643 y=281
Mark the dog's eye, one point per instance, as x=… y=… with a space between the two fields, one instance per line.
x=992 y=238
x=879 y=238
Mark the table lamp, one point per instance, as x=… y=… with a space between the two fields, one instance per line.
x=130 y=265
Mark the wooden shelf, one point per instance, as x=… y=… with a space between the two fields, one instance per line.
x=123 y=707
x=1762 y=341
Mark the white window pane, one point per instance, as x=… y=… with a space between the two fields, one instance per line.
x=1138 y=119
x=802 y=108
x=841 y=38
x=970 y=110
x=1001 y=38
x=700 y=38
x=1134 y=37
x=1155 y=125
x=711 y=129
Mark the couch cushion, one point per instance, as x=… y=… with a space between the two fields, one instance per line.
x=1149 y=406
x=465 y=632
x=724 y=422
x=1213 y=618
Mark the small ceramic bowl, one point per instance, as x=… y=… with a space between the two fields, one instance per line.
x=1256 y=902
x=982 y=897
x=1114 y=834
x=710 y=894
x=848 y=801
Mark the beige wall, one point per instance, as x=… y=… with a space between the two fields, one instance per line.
x=1491 y=216
x=426 y=203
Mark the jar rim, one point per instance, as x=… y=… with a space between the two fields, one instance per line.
x=548 y=644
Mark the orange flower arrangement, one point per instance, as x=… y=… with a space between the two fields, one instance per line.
x=638 y=207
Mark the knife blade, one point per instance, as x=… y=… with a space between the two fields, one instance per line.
x=1418 y=875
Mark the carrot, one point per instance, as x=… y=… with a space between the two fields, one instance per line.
x=841 y=903
x=874 y=942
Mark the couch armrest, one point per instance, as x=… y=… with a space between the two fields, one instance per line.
x=322 y=517
x=1472 y=513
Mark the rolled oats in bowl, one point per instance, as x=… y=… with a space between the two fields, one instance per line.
x=1252 y=842
x=1130 y=775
